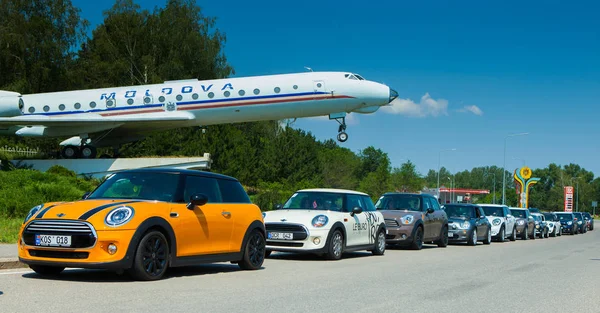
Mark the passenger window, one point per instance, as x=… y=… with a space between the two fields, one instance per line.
x=353 y=201
x=427 y=203
x=436 y=205
x=233 y=192
x=369 y=203
x=204 y=185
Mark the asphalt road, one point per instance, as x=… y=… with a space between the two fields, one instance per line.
x=555 y=275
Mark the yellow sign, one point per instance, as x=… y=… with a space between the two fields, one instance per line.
x=525 y=172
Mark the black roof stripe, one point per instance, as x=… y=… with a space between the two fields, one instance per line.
x=93 y=211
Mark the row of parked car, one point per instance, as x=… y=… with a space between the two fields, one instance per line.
x=330 y=222
x=145 y=221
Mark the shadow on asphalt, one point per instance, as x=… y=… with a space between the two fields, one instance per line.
x=104 y=276
x=402 y=248
x=314 y=257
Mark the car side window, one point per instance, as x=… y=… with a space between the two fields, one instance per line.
x=353 y=201
x=232 y=191
x=369 y=203
x=427 y=204
x=435 y=204
x=202 y=185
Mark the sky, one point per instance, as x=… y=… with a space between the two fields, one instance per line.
x=468 y=73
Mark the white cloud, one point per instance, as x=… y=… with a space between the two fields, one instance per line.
x=472 y=108
x=427 y=106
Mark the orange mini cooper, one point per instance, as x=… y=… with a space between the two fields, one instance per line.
x=144 y=221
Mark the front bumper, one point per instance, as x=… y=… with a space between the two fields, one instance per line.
x=315 y=242
x=458 y=234
x=96 y=256
x=399 y=234
x=520 y=229
x=496 y=230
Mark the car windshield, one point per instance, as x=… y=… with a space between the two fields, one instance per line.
x=549 y=216
x=306 y=200
x=518 y=213
x=399 y=202
x=453 y=210
x=492 y=210
x=564 y=217
x=142 y=185
x=578 y=215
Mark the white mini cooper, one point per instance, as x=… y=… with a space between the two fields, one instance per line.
x=325 y=221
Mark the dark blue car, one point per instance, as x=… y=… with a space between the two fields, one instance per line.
x=568 y=223
x=467 y=222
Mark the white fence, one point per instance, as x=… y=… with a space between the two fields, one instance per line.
x=17 y=151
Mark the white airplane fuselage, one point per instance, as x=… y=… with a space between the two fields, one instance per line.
x=123 y=114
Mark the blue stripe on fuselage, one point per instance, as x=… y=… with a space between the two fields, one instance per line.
x=154 y=105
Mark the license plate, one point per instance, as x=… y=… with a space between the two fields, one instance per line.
x=450 y=235
x=53 y=240
x=286 y=236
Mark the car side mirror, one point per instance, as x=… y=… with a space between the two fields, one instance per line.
x=197 y=200
x=85 y=195
x=278 y=206
x=356 y=210
x=430 y=210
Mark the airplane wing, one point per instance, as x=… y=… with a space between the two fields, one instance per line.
x=88 y=119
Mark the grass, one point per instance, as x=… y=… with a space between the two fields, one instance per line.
x=9 y=229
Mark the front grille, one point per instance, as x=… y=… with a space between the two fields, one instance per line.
x=300 y=233
x=59 y=254
x=82 y=234
x=391 y=223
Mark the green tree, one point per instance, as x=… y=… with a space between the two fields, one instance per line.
x=406 y=178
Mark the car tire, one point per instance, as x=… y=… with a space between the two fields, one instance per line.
x=525 y=234
x=488 y=239
x=46 y=270
x=155 y=247
x=335 y=246
x=417 y=242
x=254 y=251
x=443 y=241
x=473 y=238
x=379 y=248
x=501 y=234
x=513 y=236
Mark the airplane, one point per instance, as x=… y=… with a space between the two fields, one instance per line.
x=109 y=117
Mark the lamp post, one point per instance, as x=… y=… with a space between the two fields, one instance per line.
x=576 y=193
x=439 y=162
x=504 y=166
x=494 y=186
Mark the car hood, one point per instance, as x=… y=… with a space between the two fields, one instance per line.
x=397 y=214
x=304 y=217
x=90 y=210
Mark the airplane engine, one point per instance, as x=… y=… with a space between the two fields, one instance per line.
x=11 y=106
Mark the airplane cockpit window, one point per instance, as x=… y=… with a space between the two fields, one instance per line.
x=359 y=77
x=351 y=76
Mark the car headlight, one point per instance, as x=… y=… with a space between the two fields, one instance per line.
x=496 y=222
x=407 y=219
x=579 y=222
x=465 y=224
x=320 y=221
x=32 y=212
x=119 y=216
x=569 y=223
x=520 y=222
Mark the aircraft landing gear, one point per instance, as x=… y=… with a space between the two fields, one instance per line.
x=83 y=152
x=342 y=136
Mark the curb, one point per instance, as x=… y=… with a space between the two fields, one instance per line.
x=10 y=263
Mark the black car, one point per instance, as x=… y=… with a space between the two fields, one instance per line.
x=525 y=223
x=567 y=222
x=467 y=222
x=590 y=219
x=581 y=225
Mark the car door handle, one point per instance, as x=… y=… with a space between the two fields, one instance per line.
x=226 y=214
x=174 y=214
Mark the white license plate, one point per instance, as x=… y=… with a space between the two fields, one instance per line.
x=53 y=240
x=450 y=234
x=286 y=236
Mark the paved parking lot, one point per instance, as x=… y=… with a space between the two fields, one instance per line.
x=554 y=274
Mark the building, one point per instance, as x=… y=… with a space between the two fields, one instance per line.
x=456 y=195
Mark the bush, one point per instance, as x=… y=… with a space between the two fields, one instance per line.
x=22 y=189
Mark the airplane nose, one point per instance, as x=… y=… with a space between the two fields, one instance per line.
x=393 y=94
